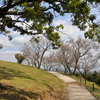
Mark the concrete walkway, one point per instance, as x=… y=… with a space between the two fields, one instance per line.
x=75 y=91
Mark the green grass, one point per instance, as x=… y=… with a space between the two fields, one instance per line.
x=23 y=82
x=89 y=86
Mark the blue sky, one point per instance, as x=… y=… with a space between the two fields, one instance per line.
x=10 y=48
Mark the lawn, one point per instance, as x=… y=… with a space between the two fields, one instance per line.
x=23 y=82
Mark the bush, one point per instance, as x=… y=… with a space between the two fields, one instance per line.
x=90 y=78
x=98 y=80
x=95 y=75
x=19 y=57
x=78 y=74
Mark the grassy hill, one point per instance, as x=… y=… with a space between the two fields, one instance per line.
x=23 y=82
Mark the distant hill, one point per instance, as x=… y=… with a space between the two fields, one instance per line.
x=23 y=82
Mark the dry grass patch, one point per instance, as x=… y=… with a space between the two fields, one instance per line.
x=22 y=82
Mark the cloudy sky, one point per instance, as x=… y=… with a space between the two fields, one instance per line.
x=10 y=48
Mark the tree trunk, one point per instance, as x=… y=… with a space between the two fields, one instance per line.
x=69 y=70
x=74 y=70
x=75 y=67
x=65 y=70
x=49 y=69
x=85 y=77
x=80 y=72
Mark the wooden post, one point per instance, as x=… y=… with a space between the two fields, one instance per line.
x=93 y=87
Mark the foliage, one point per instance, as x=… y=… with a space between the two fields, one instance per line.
x=1 y=46
x=39 y=15
x=92 y=76
x=78 y=74
x=98 y=80
x=19 y=57
x=95 y=75
x=89 y=77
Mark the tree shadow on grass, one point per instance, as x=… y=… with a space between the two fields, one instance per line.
x=11 y=93
x=6 y=73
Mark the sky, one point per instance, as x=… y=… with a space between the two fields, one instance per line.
x=10 y=48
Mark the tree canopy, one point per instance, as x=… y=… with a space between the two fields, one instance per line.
x=35 y=14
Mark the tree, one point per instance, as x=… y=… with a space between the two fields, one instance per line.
x=26 y=51
x=19 y=57
x=87 y=63
x=80 y=48
x=70 y=53
x=65 y=56
x=49 y=62
x=14 y=14
x=94 y=29
x=37 y=47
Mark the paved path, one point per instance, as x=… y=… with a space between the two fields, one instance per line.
x=62 y=77
x=75 y=91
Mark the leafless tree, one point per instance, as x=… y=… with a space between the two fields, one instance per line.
x=35 y=50
x=65 y=56
x=72 y=51
x=87 y=63
x=49 y=62
x=26 y=50
x=80 y=48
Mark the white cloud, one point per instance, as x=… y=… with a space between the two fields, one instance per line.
x=69 y=30
x=5 y=42
x=8 y=55
x=18 y=41
x=15 y=42
x=14 y=33
x=67 y=19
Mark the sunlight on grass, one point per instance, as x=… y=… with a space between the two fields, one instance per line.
x=28 y=79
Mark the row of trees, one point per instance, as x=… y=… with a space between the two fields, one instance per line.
x=35 y=15
x=73 y=55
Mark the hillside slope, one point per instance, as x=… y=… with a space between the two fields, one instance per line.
x=23 y=82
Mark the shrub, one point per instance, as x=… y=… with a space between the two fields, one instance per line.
x=98 y=80
x=78 y=74
x=19 y=57
x=90 y=78
x=95 y=75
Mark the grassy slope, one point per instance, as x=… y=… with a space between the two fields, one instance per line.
x=89 y=85
x=22 y=82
